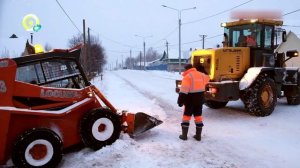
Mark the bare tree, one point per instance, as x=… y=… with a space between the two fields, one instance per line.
x=152 y=55
x=47 y=47
x=4 y=53
x=75 y=40
x=92 y=57
x=130 y=62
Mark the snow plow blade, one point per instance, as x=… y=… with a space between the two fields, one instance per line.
x=140 y=122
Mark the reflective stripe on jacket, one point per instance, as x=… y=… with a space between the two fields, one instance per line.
x=193 y=81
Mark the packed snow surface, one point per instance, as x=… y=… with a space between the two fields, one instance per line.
x=231 y=137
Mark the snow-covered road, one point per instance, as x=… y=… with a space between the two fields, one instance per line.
x=231 y=137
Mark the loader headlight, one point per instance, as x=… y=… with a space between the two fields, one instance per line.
x=202 y=60
x=213 y=90
x=272 y=61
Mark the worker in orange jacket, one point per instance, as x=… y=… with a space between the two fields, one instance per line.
x=251 y=42
x=191 y=95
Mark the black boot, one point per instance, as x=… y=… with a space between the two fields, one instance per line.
x=185 y=130
x=198 y=133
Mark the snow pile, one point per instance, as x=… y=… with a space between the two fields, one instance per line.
x=231 y=137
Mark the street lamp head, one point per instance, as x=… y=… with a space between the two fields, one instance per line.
x=13 y=36
x=164 y=6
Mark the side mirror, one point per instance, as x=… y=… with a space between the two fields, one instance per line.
x=292 y=53
x=226 y=40
x=284 y=36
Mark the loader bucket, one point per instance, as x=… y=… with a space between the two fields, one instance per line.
x=140 y=122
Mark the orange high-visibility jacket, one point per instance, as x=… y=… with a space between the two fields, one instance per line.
x=193 y=81
x=251 y=41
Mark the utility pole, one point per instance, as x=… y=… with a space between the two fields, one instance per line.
x=144 y=55
x=117 y=64
x=168 y=62
x=167 y=45
x=140 y=60
x=83 y=23
x=88 y=52
x=203 y=37
x=144 y=46
x=122 y=63
x=130 y=62
x=84 y=55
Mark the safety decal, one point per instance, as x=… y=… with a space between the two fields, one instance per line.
x=2 y=87
x=59 y=93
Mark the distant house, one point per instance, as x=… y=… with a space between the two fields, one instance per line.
x=292 y=43
x=167 y=64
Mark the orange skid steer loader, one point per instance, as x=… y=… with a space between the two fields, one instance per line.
x=47 y=105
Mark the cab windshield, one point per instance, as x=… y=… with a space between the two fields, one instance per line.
x=244 y=35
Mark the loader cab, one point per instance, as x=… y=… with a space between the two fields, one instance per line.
x=258 y=34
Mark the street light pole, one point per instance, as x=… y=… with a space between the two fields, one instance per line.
x=179 y=31
x=144 y=46
x=144 y=54
x=168 y=63
x=179 y=24
x=31 y=38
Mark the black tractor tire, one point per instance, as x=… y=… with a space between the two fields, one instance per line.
x=260 y=98
x=296 y=99
x=100 y=127
x=293 y=100
x=215 y=104
x=38 y=147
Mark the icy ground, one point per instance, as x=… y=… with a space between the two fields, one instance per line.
x=231 y=137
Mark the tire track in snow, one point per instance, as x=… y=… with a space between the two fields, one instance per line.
x=163 y=104
x=159 y=101
x=210 y=158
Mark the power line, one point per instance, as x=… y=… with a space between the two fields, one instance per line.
x=198 y=20
x=202 y=39
x=121 y=52
x=68 y=16
x=291 y=25
x=291 y=12
x=169 y=34
x=114 y=41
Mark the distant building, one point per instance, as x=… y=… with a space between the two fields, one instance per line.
x=166 y=64
x=292 y=43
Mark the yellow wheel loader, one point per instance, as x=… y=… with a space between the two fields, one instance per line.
x=248 y=68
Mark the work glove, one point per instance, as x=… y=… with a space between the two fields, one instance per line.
x=181 y=99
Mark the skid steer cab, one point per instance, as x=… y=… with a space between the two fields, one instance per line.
x=48 y=105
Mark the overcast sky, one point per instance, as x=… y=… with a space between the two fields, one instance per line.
x=116 y=22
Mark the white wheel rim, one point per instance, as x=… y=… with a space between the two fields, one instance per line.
x=106 y=133
x=45 y=159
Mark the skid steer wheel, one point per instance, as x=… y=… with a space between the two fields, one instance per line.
x=215 y=104
x=38 y=147
x=261 y=96
x=100 y=127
